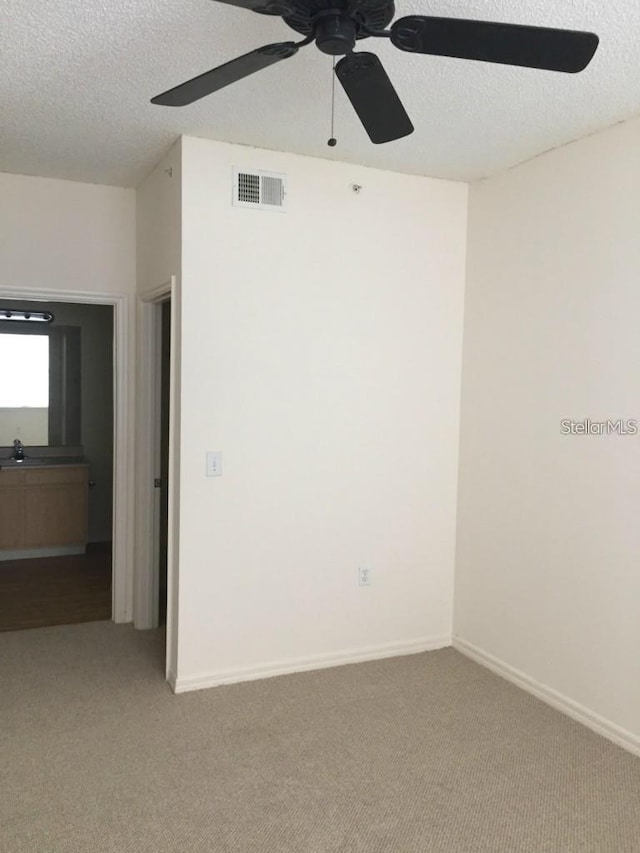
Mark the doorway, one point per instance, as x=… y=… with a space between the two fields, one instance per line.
x=163 y=463
x=123 y=457
x=56 y=463
x=157 y=462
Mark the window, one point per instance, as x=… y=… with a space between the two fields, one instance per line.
x=24 y=371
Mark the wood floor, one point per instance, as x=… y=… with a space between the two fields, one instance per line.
x=55 y=590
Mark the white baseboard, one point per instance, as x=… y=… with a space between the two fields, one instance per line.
x=559 y=701
x=215 y=679
x=171 y=678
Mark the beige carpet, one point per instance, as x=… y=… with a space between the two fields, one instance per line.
x=423 y=753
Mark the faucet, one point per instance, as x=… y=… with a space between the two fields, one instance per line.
x=18 y=451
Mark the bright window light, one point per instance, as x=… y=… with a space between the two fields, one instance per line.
x=24 y=371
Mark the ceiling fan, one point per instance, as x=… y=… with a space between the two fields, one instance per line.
x=336 y=25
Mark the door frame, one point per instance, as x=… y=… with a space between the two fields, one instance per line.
x=123 y=507
x=149 y=318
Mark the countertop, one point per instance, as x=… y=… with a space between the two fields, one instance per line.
x=43 y=462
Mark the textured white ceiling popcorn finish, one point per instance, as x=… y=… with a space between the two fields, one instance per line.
x=76 y=77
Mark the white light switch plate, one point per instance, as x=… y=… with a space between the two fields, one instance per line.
x=214 y=463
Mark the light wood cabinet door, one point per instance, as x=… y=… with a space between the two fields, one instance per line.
x=56 y=507
x=11 y=509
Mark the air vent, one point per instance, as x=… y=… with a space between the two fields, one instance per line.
x=259 y=190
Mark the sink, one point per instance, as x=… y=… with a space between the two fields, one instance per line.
x=41 y=461
x=29 y=462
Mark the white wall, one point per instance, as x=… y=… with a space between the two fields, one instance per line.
x=62 y=235
x=158 y=222
x=548 y=545
x=321 y=354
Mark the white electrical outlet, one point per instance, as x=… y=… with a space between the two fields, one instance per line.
x=214 y=463
x=364 y=576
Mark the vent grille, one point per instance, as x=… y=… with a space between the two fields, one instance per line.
x=259 y=190
x=271 y=190
x=249 y=188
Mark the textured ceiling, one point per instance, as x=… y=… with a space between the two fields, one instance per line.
x=76 y=77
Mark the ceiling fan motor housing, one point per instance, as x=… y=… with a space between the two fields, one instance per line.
x=336 y=25
x=335 y=34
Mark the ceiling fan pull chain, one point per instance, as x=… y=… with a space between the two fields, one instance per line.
x=333 y=141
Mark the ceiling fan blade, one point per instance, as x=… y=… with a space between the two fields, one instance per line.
x=223 y=75
x=265 y=7
x=373 y=97
x=509 y=44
